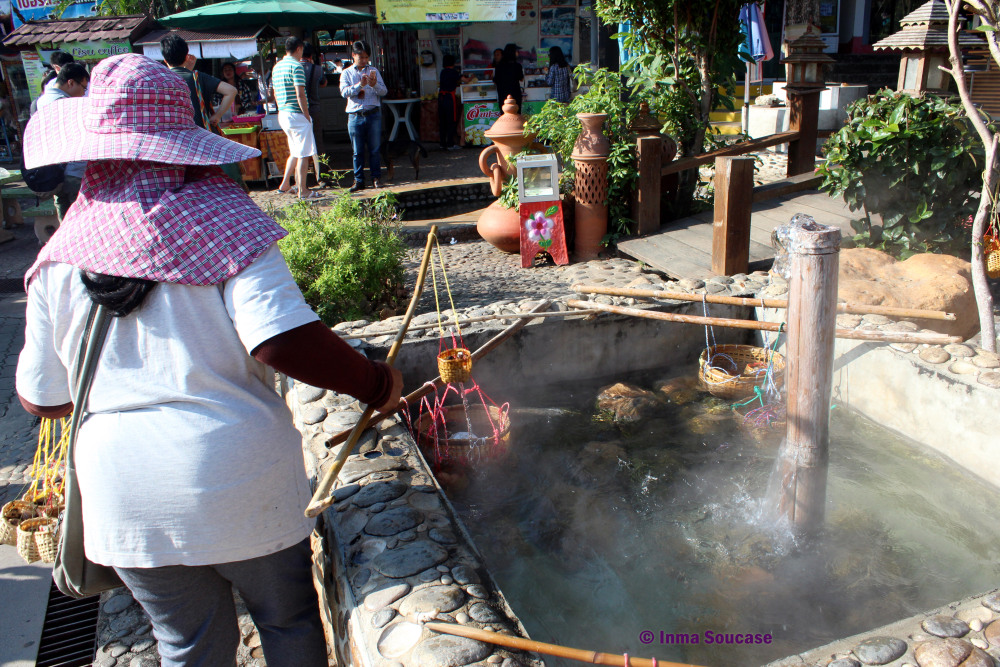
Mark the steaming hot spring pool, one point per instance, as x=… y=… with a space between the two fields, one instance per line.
x=647 y=537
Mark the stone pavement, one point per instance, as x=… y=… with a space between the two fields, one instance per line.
x=18 y=429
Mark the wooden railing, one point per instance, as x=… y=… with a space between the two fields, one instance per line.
x=734 y=189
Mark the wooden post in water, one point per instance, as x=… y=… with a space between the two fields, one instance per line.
x=798 y=484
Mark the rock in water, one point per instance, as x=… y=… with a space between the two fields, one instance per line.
x=626 y=402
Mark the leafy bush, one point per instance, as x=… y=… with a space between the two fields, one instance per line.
x=348 y=259
x=912 y=160
x=557 y=125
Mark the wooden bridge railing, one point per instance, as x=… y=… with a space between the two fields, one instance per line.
x=734 y=189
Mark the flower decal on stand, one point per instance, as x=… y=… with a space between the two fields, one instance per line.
x=539 y=227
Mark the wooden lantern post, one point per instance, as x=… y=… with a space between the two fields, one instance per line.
x=798 y=484
x=804 y=82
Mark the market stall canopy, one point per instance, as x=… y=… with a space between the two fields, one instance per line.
x=84 y=32
x=277 y=13
x=232 y=43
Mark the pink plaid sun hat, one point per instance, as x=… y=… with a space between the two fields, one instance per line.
x=136 y=109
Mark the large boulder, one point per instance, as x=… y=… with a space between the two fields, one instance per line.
x=627 y=402
x=925 y=281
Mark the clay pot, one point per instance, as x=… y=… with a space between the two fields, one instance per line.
x=590 y=153
x=501 y=227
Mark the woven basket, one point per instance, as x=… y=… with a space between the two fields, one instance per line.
x=27 y=547
x=47 y=540
x=46 y=504
x=460 y=448
x=993 y=264
x=13 y=513
x=728 y=376
x=455 y=365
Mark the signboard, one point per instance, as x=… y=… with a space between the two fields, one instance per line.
x=442 y=11
x=91 y=50
x=34 y=72
x=40 y=10
x=479 y=117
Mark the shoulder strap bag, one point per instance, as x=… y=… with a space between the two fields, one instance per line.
x=73 y=574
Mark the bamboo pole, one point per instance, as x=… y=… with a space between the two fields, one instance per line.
x=582 y=655
x=797 y=489
x=851 y=334
x=856 y=309
x=481 y=318
x=322 y=498
x=436 y=383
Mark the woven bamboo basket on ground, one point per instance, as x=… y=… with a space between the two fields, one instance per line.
x=27 y=546
x=736 y=369
x=461 y=448
x=14 y=513
x=455 y=365
x=47 y=540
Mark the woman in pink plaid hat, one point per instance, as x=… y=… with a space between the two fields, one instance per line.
x=190 y=471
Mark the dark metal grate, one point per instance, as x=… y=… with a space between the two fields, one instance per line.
x=11 y=285
x=69 y=635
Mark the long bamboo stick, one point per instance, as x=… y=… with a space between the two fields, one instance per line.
x=437 y=383
x=582 y=655
x=857 y=309
x=852 y=334
x=322 y=497
x=481 y=318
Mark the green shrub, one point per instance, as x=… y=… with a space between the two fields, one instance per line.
x=914 y=161
x=348 y=259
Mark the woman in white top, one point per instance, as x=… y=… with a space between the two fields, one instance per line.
x=191 y=473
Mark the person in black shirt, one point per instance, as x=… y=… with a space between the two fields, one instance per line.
x=448 y=107
x=508 y=75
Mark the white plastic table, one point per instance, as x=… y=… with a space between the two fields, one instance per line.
x=401 y=119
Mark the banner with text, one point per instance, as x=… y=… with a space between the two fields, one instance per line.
x=444 y=11
x=41 y=10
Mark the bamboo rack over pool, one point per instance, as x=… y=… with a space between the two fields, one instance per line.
x=734 y=323
x=482 y=318
x=856 y=309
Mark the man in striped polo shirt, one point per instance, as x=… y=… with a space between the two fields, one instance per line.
x=289 y=81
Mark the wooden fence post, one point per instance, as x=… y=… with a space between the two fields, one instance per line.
x=731 y=223
x=797 y=489
x=646 y=202
x=803 y=117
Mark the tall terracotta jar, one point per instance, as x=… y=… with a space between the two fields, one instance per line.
x=590 y=155
x=501 y=226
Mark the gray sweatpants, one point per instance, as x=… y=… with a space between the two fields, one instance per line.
x=194 y=616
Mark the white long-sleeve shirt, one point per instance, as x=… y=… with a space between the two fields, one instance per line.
x=350 y=86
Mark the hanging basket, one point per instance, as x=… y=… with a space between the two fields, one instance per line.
x=14 y=513
x=993 y=264
x=27 y=546
x=763 y=431
x=455 y=365
x=47 y=539
x=460 y=448
x=46 y=504
x=734 y=370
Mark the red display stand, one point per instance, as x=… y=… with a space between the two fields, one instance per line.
x=542 y=230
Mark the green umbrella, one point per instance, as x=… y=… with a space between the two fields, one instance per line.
x=277 y=13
